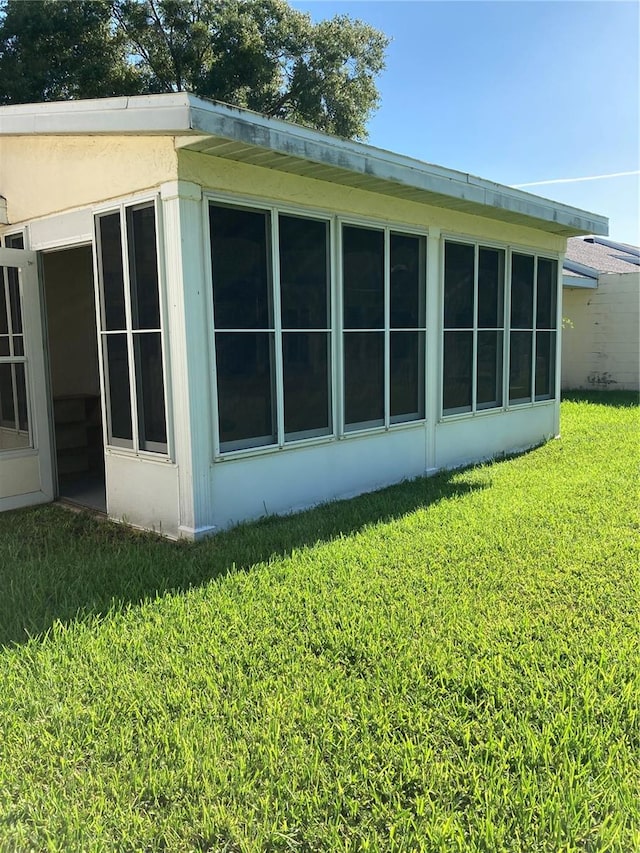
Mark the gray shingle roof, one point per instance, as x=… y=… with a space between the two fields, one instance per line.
x=604 y=259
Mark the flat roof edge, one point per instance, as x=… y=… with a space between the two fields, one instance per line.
x=183 y=114
x=294 y=140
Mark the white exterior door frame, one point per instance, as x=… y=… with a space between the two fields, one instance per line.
x=26 y=472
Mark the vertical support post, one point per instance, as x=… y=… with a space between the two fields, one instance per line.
x=433 y=344
x=558 y=363
x=189 y=342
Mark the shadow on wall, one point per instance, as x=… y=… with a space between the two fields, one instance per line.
x=57 y=565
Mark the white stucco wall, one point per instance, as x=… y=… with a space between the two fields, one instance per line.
x=41 y=175
x=601 y=340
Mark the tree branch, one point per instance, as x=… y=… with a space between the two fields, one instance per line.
x=139 y=46
x=169 y=44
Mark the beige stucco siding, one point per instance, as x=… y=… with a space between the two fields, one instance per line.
x=44 y=175
x=41 y=175
x=601 y=341
x=228 y=176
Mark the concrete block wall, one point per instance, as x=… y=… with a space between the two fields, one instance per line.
x=601 y=338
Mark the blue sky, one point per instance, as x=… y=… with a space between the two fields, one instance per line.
x=516 y=92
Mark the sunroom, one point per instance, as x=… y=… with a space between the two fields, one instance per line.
x=207 y=315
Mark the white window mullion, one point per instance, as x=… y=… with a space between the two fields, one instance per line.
x=558 y=345
x=474 y=349
x=387 y=330
x=277 y=321
x=506 y=347
x=332 y=324
x=338 y=325
x=105 y=394
x=441 y=326
x=533 y=329
x=162 y=304
x=133 y=395
x=208 y=266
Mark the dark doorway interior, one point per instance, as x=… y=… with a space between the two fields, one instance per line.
x=75 y=380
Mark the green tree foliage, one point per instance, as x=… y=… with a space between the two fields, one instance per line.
x=260 y=54
x=52 y=50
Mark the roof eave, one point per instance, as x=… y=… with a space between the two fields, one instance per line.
x=579 y=281
x=195 y=121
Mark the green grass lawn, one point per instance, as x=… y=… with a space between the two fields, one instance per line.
x=452 y=664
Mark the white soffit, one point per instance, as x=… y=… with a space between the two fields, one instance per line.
x=238 y=134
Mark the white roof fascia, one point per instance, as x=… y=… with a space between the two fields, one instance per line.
x=620 y=247
x=277 y=135
x=579 y=281
x=182 y=114
x=164 y=114
x=581 y=269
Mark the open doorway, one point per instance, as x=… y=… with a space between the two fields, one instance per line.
x=75 y=378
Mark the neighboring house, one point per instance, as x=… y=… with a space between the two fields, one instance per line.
x=601 y=307
x=208 y=315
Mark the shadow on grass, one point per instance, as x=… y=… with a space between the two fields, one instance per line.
x=57 y=565
x=616 y=399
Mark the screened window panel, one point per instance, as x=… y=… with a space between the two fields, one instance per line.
x=304 y=273
x=546 y=294
x=14 y=422
x=14 y=300
x=457 y=376
x=240 y=259
x=406 y=362
x=407 y=281
x=307 y=409
x=117 y=363
x=21 y=393
x=458 y=286
x=545 y=364
x=489 y=370
x=15 y=307
x=520 y=366
x=10 y=303
x=522 y=267
x=18 y=345
x=364 y=378
x=7 y=396
x=363 y=278
x=4 y=311
x=246 y=397
x=490 y=288
x=14 y=241
x=143 y=267
x=152 y=427
x=114 y=318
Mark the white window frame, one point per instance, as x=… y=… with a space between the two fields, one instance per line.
x=283 y=440
x=474 y=409
x=387 y=228
x=121 y=447
x=13 y=359
x=543 y=399
x=509 y=249
x=335 y=378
